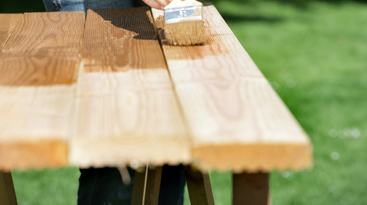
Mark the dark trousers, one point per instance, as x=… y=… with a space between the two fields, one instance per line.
x=104 y=186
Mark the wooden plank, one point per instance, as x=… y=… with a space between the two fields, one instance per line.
x=126 y=111
x=117 y=40
x=7 y=25
x=251 y=189
x=47 y=34
x=38 y=89
x=7 y=192
x=198 y=185
x=237 y=120
x=146 y=186
x=33 y=124
x=38 y=71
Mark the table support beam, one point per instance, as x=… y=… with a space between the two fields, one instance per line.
x=146 y=187
x=251 y=189
x=198 y=185
x=7 y=192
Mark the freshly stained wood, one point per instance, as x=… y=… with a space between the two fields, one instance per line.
x=37 y=71
x=7 y=24
x=236 y=119
x=37 y=89
x=126 y=111
x=118 y=40
x=47 y=34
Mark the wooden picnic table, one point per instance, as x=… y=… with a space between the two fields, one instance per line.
x=109 y=91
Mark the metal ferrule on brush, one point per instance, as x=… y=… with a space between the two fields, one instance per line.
x=184 y=13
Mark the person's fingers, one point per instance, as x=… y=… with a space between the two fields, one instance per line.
x=168 y=1
x=153 y=4
x=163 y=3
x=157 y=4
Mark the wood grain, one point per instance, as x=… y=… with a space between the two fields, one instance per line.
x=33 y=125
x=219 y=113
x=47 y=34
x=126 y=111
x=7 y=192
x=236 y=119
x=121 y=39
x=38 y=71
x=7 y=24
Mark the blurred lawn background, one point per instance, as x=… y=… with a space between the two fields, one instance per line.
x=314 y=53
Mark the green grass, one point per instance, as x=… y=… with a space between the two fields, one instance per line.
x=315 y=56
x=46 y=187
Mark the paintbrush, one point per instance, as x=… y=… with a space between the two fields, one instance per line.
x=184 y=23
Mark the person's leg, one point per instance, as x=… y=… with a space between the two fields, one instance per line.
x=103 y=4
x=84 y=5
x=104 y=186
x=139 y=3
x=52 y=5
x=64 y=5
x=172 y=185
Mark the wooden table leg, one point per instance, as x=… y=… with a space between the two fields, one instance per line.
x=146 y=187
x=7 y=193
x=251 y=189
x=198 y=185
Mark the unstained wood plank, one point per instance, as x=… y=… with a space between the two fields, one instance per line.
x=126 y=111
x=236 y=119
x=33 y=125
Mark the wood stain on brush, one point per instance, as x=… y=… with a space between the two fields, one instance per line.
x=185 y=33
x=215 y=43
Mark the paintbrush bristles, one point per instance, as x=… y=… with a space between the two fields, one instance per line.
x=185 y=33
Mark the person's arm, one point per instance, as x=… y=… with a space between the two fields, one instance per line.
x=157 y=4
